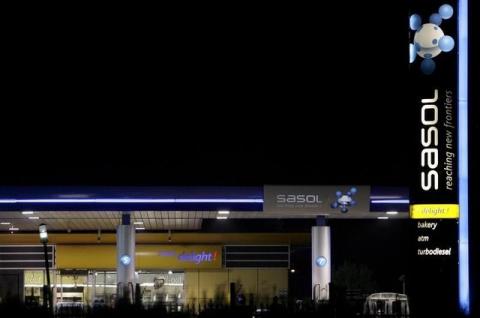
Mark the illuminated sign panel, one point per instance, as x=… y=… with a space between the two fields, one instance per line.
x=336 y=201
x=179 y=256
x=434 y=202
x=434 y=101
x=434 y=211
x=433 y=239
x=146 y=257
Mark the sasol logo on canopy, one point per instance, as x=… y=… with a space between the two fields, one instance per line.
x=298 y=198
x=429 y=140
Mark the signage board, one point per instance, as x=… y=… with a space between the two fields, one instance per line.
x=433 y=101
x=179 y=256
x=434 y=211
x=433 y=105
x=345 y=200
x=146 y=257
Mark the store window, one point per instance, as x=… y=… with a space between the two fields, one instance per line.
x=34 y=282
x=162 y=287
x=72 y=286
x=105 y=288
x=99 y=288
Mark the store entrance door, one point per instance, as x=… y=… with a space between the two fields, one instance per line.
x=72 y=286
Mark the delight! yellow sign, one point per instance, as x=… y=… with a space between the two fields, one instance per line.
x=178 y=256
x=434 y=211
x=146 y=257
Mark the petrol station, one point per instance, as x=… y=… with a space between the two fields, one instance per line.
x=109 y=243
x=176 y=245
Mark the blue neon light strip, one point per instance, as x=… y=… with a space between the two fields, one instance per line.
x=385 y=197
x=464 y=285
x=389 y=201
x=14 y=201
x=201 y=198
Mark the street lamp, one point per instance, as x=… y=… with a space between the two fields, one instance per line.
x=47 y=292
x=43 y=233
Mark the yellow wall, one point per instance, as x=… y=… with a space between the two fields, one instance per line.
x=85 y=257
x=191 y=286
x=213 y=285
x=262 y=283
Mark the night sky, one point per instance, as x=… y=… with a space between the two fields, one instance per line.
x=237 y=95
x=271 y=94
x=256 y=95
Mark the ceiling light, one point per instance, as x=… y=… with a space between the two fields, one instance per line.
x=383 y=218
x=392 y=212
x=138 y=222
x=391 y=201
x=224 y=212
x=5 y=223
x=140 y=228
x=27 y=212
x=222 y=217
x=13 y=228
x=33 y=217
x=132 y=200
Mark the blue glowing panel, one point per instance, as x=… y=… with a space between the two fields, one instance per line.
x=464 y=285
x=383 y=199
x=131 y=198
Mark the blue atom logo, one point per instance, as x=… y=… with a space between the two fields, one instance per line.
x=344 y=200
x=321 y=261
x=125 y=260
x=429 y=40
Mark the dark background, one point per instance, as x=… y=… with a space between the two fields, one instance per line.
x=201 y=95
x=234 y=95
